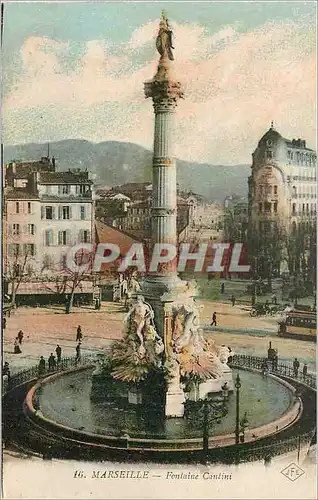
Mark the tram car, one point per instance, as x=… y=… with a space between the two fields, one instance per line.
x=298 y=324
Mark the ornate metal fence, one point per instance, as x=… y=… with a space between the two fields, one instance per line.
x=243 y=361
x=34 y=373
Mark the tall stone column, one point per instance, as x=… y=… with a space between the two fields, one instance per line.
x=162 y=286
x=165 y=92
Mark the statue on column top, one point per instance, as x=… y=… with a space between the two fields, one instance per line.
x=164 y=38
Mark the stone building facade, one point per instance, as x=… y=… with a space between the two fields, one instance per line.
x=47 y=216
x=282 y=186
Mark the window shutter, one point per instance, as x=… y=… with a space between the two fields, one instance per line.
x=42 y=212
x=88 y=236
x=70 y=211
x=34 y=229
x=68 y=237
x=60 y=189
x=26 y=229
x=51 y=237
x=60 y=212
x=77 y=189
x=80 y=236
x=53 y=213
x=25 y=249
x=60 y=237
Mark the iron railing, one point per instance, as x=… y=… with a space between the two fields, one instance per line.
x=279 y=369
x=238 y=361
x=33 y=372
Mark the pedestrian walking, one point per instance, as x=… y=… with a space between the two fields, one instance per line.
x=20 y=336
x=41 y=367
x=78 y=352
x=222 y=288
x=16 y=348
x=305 y=369
x=296 y=366
x=213 y=319
x=233 y=300
x=79 y=334
x=52 y=362
x=58 y=351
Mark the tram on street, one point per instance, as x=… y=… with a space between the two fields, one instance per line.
x=298 y=324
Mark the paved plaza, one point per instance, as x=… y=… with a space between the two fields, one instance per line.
x=45 y=328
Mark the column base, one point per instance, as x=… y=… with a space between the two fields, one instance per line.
x=174 y=403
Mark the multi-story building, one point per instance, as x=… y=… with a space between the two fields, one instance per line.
x=50 y=214
x=282 y=187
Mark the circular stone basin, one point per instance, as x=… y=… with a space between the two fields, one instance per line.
x=66 y=400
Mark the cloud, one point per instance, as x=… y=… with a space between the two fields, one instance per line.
x=235 y=84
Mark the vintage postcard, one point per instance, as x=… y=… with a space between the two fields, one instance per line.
x=158 y=250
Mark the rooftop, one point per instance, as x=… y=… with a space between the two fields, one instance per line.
x=19 y=194
x=64 y=178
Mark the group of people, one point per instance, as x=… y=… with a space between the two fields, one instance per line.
x=53 y=362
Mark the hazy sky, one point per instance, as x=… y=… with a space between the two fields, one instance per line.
x=77 y=71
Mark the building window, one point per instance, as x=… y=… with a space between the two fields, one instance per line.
x=65 y=189
x=268 y=190
x=86 y=236
x=294 y=209
x=275 y=208
x=83 y=214
x=16 y=229
x=17 y=207
x=66 y=213
x=48 y=237
x=29 y=207
x=275 y=189
x=31 y=229
x=49 y=213
x=303 y=207
x=14 y=249
x=81 y=189
x=29 y=249
x=307 y=207
x=64 y=237
x=267 y=207
x=294 y=228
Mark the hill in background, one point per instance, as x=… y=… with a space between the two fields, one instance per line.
x=114 y=163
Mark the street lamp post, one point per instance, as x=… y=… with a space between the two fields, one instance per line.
x=244 y=424
x=237 y=421
x=209 y=410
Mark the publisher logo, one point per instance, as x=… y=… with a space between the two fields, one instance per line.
x=292 y=472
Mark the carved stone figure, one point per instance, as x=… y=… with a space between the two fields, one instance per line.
x=164 y=39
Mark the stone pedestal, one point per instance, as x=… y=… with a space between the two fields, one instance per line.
x=174 y=403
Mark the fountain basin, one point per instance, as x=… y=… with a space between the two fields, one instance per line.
x=62 y=404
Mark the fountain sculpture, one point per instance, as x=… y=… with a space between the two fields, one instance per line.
x=163 y=340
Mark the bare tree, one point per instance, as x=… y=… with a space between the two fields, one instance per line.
x=17 y=270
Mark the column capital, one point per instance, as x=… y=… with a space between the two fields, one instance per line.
x=164 y=93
